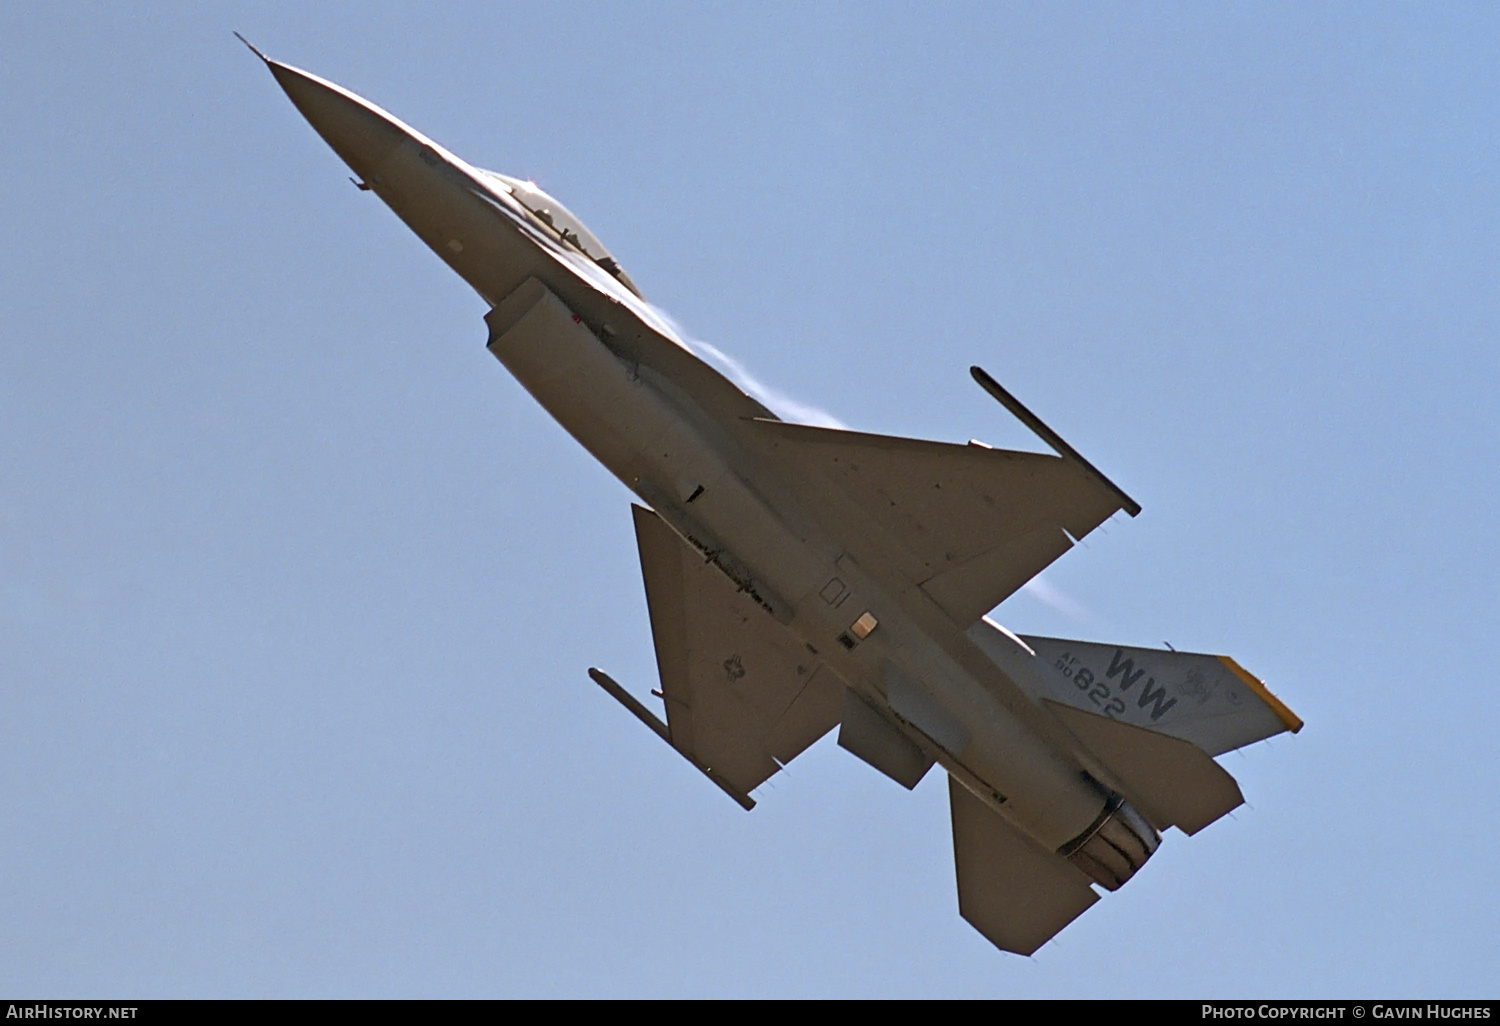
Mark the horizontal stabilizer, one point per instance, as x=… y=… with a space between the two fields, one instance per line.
x=967 y=523
x=1152 y=719
x=1016 y=893
x=1173 y=782
x=744 y=696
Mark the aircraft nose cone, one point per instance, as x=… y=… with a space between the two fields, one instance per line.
x=358 y=131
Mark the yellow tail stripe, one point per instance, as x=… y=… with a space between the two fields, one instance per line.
x=1291 y=719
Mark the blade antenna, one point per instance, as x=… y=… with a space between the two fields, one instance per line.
x=1052 y=438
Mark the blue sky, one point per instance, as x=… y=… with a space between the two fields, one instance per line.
x=298 y=588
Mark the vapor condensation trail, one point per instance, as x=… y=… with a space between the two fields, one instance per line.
x=1056 y=599
x=783 y=405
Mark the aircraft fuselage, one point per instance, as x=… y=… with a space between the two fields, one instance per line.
x=690 y=445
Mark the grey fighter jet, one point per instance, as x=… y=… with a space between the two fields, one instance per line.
x=802 y=578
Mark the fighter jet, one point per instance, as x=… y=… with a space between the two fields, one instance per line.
x=802 y=578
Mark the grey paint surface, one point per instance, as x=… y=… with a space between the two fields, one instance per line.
x=272 y=703
x=779 y=526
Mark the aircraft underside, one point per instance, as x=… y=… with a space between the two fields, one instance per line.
x=802 y=578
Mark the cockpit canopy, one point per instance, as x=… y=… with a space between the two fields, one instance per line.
x=563 y=224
